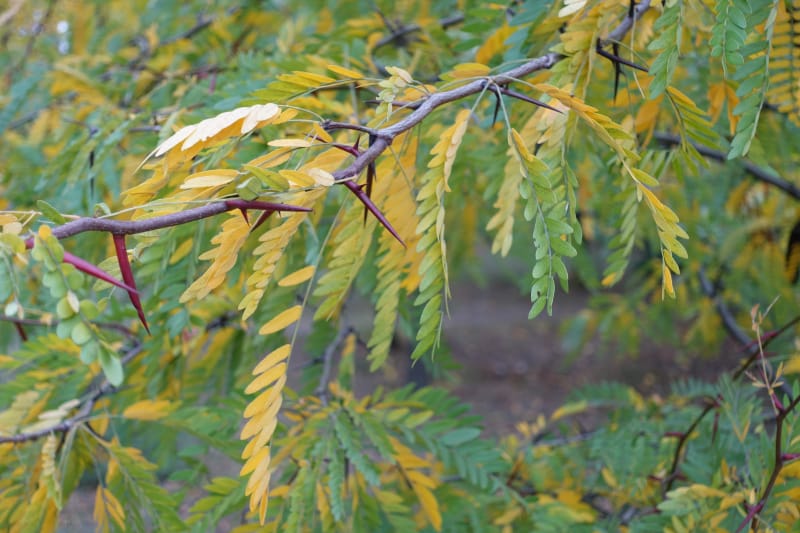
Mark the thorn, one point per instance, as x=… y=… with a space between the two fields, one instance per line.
x=88 y=268
x=616 y=59
x=261 y=219
x=96 y=272
x=370 y=176
x=526 y=98
x=243 y=211
x=127 y=276
x=359 y=192
x=675 y=434
x=776 y=403
x=21 y=331
x=497 y=96
x=352 y=150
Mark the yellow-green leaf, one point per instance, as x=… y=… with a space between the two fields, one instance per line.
x=284 y=319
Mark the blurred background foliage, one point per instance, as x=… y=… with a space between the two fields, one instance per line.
x=90 y=88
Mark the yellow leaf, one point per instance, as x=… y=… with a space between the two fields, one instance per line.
x=418 y=478
x=210 y=178
x=507 y=517
x=259 y=115
x=290 y=143
x=181 y=251
x=400 y=73
x=322 y=177
x=284 y=319
x=667 y=280
x=321 y=134
x=264 y=400
x=297 y=178
x=267 y=378
x=255 y=460
x=570 y=7
x=208 y=129
x=468 y=70
x=495 y=44
x=297 y=277
x=430 y=506
x=608 y=477
x=148 y=410
x=271 y=359
x=345 y=72
x=569 y=409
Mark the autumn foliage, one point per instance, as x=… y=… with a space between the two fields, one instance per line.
x=192 y=194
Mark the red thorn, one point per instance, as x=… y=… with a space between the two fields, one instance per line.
x=127 y=275
x=21 y=331
x=715 y=427
x=790 y=456
x=370 y=181
x=776 y=402
x=676 y=434
x=244 y=215
x=96 y=272
x=352 y=150
x=88 y=268
x=361 y=195
x=261 y=219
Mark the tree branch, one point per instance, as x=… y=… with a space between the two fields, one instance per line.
x=83 y=414
x=327 y=363
x=755 y=171
x=386 y=135
x=130 y=227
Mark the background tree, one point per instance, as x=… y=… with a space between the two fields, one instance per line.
x=192 y=195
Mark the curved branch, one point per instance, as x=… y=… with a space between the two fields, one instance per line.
x=83 y=414
x=386 y=135
x=757 y=172
x=130 y=227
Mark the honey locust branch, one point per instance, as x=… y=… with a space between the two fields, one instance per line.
x=385 y=136
x=756 y=172
x=83 y=414
x=382 y=139
x=130 y=227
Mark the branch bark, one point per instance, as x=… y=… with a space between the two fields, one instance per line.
x=83 y=414
x=755 y=171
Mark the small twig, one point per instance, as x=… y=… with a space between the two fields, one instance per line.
x=755 y=171
x=780 y=460
x=202 y=23
x=82 y=415
x=683 y=438
x=743 y=338
x=426 y=106
x=327 y=363
x=330 y=125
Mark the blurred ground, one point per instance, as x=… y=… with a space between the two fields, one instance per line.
x=513 y=369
